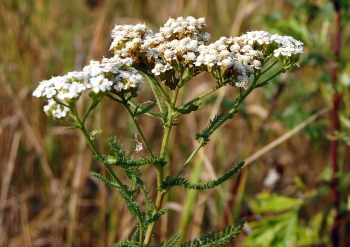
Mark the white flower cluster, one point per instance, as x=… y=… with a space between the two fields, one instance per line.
x=233 y=59
x=285 y=48
x=180 y=44
x=185 y=28
x=176 y=42
x=114 y=74
x=128 y=40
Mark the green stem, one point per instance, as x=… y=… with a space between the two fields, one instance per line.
x=114 y=99
x=157 y=89
x=240 y=99
x=159 y=103
x=138 y=128
x=149 y=113
x=75 y=126
x=130 y=102
x=228 y=116
x=92 y=106
x=270 y=78
x=95 y=150
x=160 y=169
x=60 y=102
x=202 y=96
x=269 y=67
x=108 y=168
x=168 y=124
x=199 y=146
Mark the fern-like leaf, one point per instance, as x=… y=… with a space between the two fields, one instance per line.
x=124 y=160
x=157 y=215
x=127 y=244
x=135 y=235
x=149 y=203
x=213 y=125
x=216 y=238
x=134 y=175
x=168 y=182
x=171 y=241
x=106 y=181
x=127 y=161
x=116 y=147
x=131 y=204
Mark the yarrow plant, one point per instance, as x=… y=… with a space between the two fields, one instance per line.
x=167 y=60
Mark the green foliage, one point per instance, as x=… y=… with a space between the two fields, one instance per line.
x=280 y=224
x=212 y=126
x=124 y=160
x=134 y=175
x=275 y=230
x=127 y=244
x=189 y=108
x=343 y=88
x=140 y=109
x=345 y=12
x=216 y=238
x=150 y=205
x=131 y=204
x=274 y=203
x=107 y=181
x=135 y=235
x=171 y=241
x=168 y=182
x=156 y=216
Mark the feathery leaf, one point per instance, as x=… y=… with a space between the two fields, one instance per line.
x=127 y=244
x=216 y=238
x=213 y=125
x=132 y=206
x=171 y=241
x=169 y=182
x=157 y=215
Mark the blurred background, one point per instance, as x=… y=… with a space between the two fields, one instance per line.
x=291 y=193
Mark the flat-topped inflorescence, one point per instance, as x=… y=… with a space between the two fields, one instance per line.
x=229 y=60
x=128 y=41
x=109 y=75
x=178 y=52
x=285 y=48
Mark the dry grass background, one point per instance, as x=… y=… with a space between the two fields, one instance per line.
x=48 y=197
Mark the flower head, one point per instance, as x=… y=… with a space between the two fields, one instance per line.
x=180 y=48
x=109 y=75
